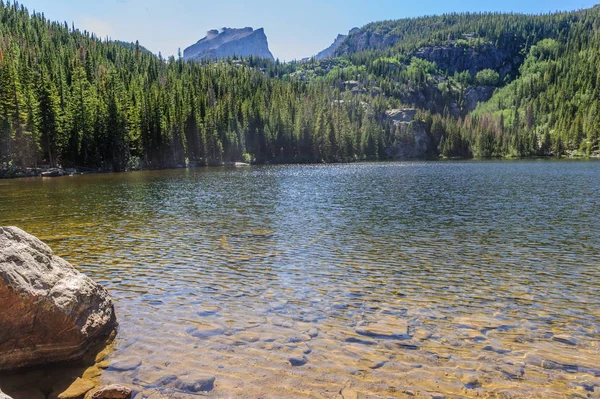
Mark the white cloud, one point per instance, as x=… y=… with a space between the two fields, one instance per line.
x=94 y=25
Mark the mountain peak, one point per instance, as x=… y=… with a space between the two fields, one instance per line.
x=229 y=42
x=330 y=51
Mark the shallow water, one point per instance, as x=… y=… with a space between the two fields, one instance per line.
x=391 y=280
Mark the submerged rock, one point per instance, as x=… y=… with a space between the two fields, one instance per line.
x=299 y=338
x=354 y=340
x=248 y=337
x=126 y=364
x=565 y=339
x=112 y=392
x=195 y=383
x=50 y=311
x=378 y=365
x=191 y=383
x=298 y=361
x=205 y=331
x=313 y=333
x=387 y=328
x=206 y=311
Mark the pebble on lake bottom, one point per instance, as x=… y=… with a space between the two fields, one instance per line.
x=195 y=383
x=298 y=361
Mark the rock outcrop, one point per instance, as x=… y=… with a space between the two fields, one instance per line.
x=466 y=54
x=330 y=51
x=362 y=40
x=401 y=115
x=50 y=311
x=455 y=58
x=229 y=42
x=476 y=95
x=410 y=136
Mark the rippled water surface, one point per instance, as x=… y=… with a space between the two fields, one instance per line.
x=391 y=280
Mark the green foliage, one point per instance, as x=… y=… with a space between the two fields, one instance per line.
x=465 y=78
x=505 y=31
x=487 y=77
x=552 y=108
x=247 y=158
x=420 y=71
x=548 y=105
x=545 y=49
x=68 y=98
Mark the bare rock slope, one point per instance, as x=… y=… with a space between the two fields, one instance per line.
x=229 y=42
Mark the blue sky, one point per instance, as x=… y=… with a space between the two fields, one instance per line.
x=295 y=29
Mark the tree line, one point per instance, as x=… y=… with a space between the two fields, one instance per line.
x=68 y=98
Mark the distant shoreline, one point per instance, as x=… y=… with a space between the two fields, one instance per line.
x=63 y=172
x=19 y=173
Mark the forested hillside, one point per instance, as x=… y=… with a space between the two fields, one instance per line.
x=546 y=67
x=69 y=99
x=453 y=85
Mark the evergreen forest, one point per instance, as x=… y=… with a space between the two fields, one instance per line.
x=480 y=85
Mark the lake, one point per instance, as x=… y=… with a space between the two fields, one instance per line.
x=388 y=280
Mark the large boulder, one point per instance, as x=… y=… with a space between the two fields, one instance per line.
x=50 y=311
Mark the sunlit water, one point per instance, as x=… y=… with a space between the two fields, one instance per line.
x=481 y=278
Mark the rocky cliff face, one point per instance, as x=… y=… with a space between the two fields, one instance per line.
x=330 y=51
x=360 y=40
x=228 y=43
x=450 y=56
x=476 y=95
x=453 y=58
x=410 y=138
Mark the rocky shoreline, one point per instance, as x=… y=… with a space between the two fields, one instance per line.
x=16 y=173
x=60 y=172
